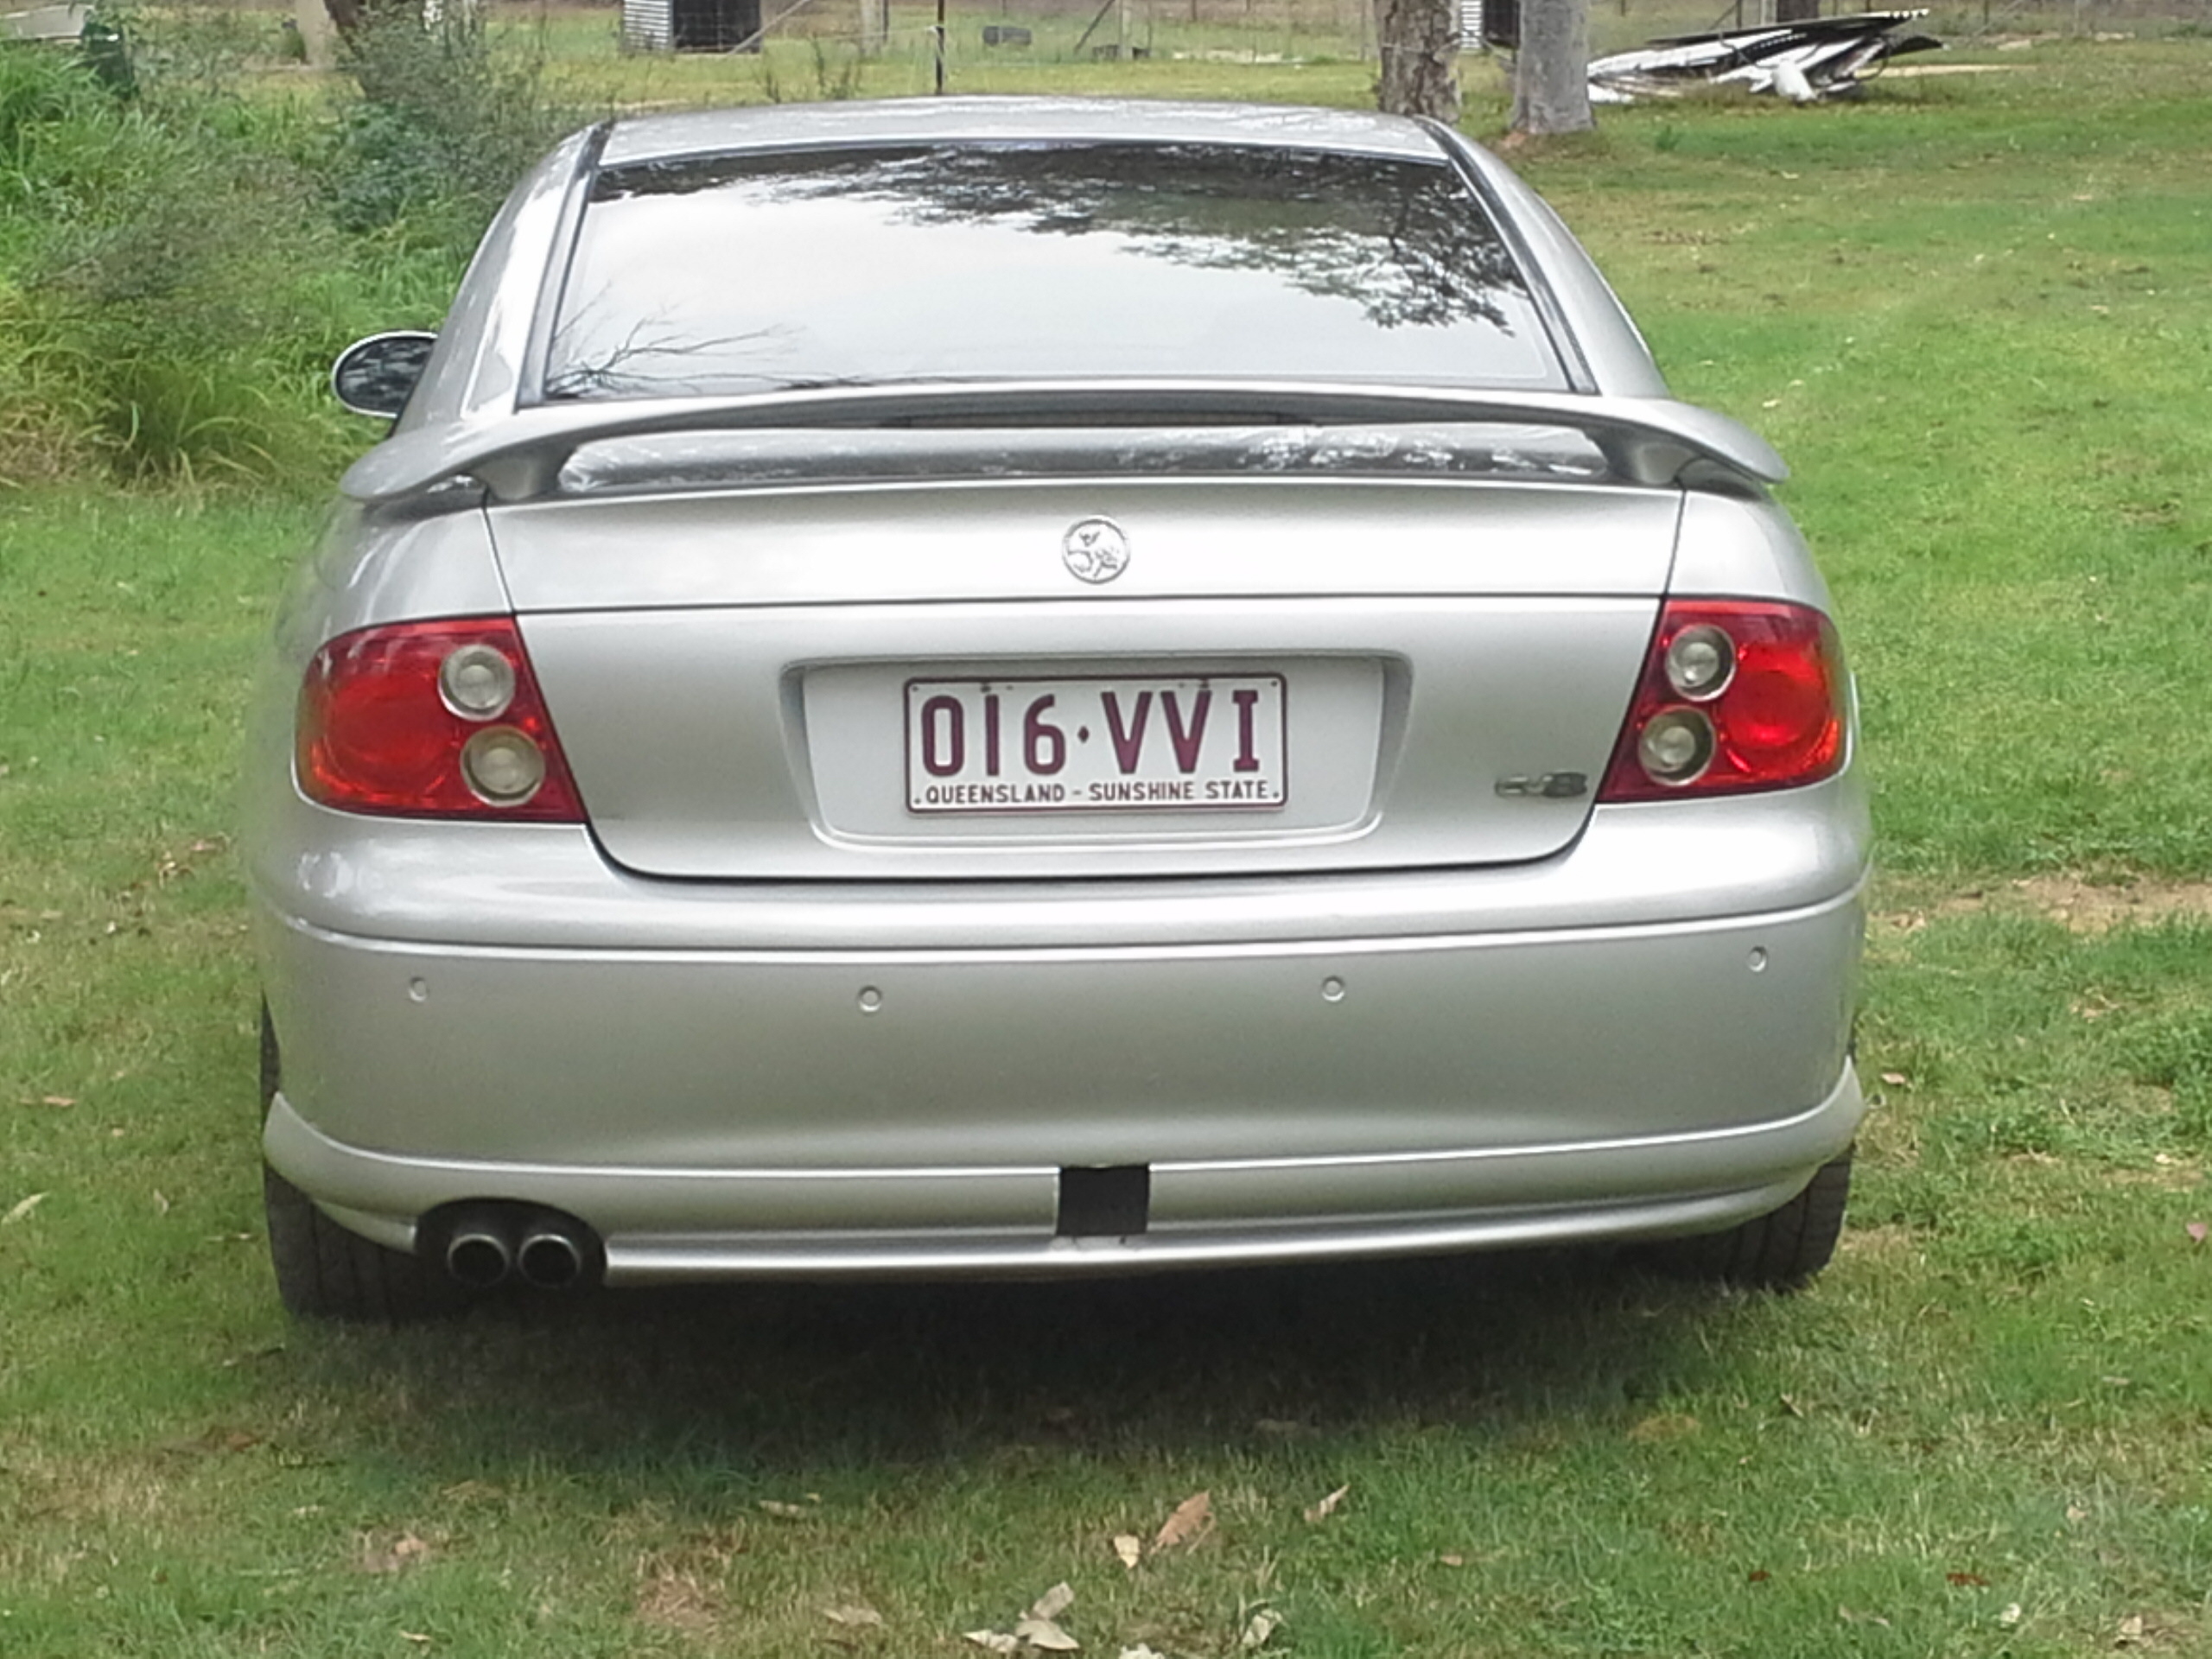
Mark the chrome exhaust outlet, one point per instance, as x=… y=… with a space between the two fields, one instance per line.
x=550 y=1257
x=478 y=1255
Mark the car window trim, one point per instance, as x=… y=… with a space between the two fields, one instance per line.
x=553 y=289
x=1567 y=347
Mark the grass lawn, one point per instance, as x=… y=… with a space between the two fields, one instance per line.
x=1976 y=314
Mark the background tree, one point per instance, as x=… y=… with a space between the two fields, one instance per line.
x=1551 y=71
x=1418 y=41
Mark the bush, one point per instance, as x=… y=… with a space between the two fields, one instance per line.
x=179 y=265
x=445 y=124
x=165 y=307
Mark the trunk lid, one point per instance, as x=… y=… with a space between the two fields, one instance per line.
x=946 y=680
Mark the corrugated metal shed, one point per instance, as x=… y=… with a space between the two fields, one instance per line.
x=648 y=26
x=691 y=25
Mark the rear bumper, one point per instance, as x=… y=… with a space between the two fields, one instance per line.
x=681 y=1220
x=787 y=1112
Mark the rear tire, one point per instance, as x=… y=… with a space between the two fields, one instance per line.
x=324 y=1270
x=1777 y=1251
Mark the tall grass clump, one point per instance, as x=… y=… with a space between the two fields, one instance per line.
x=183 y=253
x=44 y=421
x=165 y=300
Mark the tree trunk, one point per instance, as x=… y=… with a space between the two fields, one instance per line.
x=875 y=27
x=1551 y=74
x=1418 y=42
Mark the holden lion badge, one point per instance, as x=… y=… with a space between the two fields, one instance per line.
x=1095 y=549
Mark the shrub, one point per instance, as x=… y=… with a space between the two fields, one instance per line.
x=446 y=121
x=162 y=286
x=179 y=264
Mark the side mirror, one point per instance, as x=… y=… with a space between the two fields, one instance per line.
x=376 y=376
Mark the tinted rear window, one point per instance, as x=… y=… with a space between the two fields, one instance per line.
x=735 y=274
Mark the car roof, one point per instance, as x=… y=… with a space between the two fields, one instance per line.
x=957 y=120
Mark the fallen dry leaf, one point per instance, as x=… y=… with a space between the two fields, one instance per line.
x=1039 y=1627
x=2130 y=1632
x=1054 y=1602
x=57 y=1100
x=1789 y=1404
x=1045 y=1636
x=1036 y=1630
x=25 y=1206
x=1850 y=1618
x=414 y=1636
x=2198 y=1231
x=785 y=1511
x=1128 y=1549
x=2011 y=1616
x=1142 y=1650
x=1263 y=1623
x=402 y=1552
x=858 y=1614
x=1192 y=1521
x=1896 y=1079
x=1327 y=1506
x=1663 y=1425
x=1758 y=1575
x=1966 y=1581
x=1452 y=1559
x=2076 y=1514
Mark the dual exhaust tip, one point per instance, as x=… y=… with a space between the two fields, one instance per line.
x=487 y=1244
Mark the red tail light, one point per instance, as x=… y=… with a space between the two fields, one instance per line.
x=1737 y=695
x=431 y=720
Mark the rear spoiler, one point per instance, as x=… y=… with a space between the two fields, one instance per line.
x=519 y=455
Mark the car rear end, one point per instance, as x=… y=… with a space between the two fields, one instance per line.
x=1256 y=736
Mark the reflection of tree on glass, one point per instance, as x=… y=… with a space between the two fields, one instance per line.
x=1007 y=259
x=1404 y=241
x=653 y=352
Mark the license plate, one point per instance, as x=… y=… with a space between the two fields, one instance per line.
x=1120 y=743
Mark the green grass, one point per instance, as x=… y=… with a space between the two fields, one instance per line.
x=1940 y=304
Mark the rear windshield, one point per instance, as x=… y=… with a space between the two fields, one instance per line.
x=735 y=274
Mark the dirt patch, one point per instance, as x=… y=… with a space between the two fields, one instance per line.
x=670 y=1598
x=680 y=1588
x=2081 y=905
x=2167 y=1173
x=1885 y=1242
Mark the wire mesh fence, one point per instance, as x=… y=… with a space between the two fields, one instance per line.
x=1000 y=31
x=993 y=41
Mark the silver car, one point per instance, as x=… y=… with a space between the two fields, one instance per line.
x=1035 y=686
